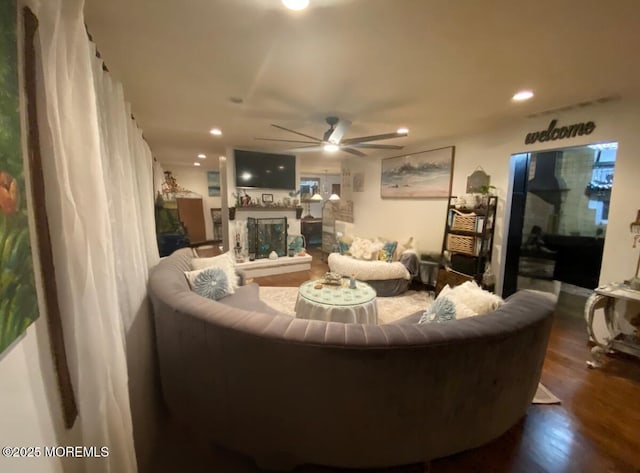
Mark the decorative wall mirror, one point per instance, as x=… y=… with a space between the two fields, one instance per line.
x=477 y=181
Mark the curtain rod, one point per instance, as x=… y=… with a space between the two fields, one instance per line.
x=104 y=65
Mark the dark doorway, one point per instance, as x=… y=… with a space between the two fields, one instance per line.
x=559 y=216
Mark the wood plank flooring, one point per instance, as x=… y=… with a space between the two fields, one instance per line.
x=595 y=429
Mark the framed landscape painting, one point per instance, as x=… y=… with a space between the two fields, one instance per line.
x=422 y=174
x=213 y=182
x=18 y=301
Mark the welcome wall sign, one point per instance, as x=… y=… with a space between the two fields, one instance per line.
x=552 y=133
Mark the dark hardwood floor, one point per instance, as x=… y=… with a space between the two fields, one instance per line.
x=595 y=429
x=318 y=268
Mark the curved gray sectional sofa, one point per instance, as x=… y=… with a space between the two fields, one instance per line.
x=288 y=391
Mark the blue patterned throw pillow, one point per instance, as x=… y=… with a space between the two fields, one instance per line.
x=386 y=254
x=344 y=247
x=212 y=283
x=442 y=310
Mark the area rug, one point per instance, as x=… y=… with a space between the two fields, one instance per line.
x=283 y=299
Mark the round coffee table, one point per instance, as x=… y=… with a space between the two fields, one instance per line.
x=337 y=303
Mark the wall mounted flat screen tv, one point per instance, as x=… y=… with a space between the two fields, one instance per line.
x=265 y=170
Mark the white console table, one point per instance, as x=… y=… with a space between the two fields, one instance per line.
x=605 y=297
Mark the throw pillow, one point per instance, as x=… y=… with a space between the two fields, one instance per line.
x=210 y=282
x=442 y=310
x=387 y=251
x=364 y=249
x=344 y=247
x=474 y=297
x=446 y=308
x=225 y=262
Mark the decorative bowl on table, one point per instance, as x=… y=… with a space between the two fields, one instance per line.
x=332 y=279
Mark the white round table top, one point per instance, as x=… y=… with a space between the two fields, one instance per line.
x=337 y=295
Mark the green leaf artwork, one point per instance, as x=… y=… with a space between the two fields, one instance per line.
x=18 y=300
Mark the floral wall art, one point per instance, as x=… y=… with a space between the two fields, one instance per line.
x=18 y=301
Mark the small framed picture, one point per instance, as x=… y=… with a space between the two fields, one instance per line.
x=267 y=198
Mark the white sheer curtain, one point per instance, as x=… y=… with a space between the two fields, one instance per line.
x=99 y=188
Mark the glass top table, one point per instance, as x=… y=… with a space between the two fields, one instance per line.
x=337 y=303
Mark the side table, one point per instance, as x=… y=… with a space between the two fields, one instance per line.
x=337 y=303
x=605 y=297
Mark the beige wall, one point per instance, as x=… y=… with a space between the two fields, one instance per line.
x=424 y=218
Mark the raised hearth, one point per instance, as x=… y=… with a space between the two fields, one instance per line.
x=269 y=267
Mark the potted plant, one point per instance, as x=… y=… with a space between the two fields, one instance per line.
x=486 y=191
x=294 y=196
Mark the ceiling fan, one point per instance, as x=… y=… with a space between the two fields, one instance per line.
x=332 y=139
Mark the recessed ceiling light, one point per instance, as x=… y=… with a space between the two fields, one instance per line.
x=202 y=156
x=296 y=4
x=522 y=95
x=403 y=131
x=215 y=131
x=331 y=148
x=196 y=164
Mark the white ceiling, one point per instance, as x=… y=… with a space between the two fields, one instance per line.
x=438 y=67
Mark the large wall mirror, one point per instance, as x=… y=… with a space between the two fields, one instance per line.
x=559 y=217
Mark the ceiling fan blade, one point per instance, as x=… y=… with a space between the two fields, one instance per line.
x=370 y=146
x=338 y=132
x=353 y=151
x=297 y=133
x=288 y=141
x=361 y=139
x=305 y=149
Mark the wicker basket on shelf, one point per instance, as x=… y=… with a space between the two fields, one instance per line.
x=463 y=221
x=462 y=244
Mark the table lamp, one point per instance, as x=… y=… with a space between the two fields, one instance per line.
x=634 y=282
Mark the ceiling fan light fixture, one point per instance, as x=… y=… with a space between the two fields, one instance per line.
x=331 y=148
x=522 y=95
x=296 y=5
x=403 y=131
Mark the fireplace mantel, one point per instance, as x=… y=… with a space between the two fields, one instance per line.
x=266 y=209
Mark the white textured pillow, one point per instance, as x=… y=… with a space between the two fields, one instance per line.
x=474 y=297
x=365 y=249
x=224 y=261
x=462 y=309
